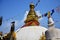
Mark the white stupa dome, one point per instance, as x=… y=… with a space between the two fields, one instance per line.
x=30 y=33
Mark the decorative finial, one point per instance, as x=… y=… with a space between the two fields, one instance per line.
x=32 y=5
x=49 y=14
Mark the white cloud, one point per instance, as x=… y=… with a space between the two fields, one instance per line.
x=25 y=15
x=39 y=14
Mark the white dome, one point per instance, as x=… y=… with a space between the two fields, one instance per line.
x=30 y=33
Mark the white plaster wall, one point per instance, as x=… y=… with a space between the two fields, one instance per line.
x=30 y=33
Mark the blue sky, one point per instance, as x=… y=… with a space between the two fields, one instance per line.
x=14 y=10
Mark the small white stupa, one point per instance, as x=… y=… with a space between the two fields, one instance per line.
x=52 y=33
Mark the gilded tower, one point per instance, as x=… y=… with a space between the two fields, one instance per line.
x=32 y=17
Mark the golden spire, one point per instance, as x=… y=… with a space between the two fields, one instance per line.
x=32 y=14
x=32 y=6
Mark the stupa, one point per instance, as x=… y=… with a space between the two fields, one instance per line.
x=31 y=30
